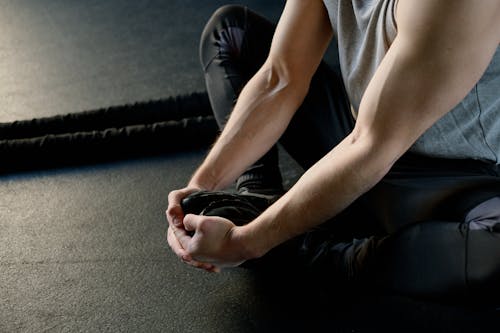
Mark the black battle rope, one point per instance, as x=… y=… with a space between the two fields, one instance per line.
x=154 y=127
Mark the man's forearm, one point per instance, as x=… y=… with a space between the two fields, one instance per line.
x=269 y=100
x=261 y=115
x=326 y=189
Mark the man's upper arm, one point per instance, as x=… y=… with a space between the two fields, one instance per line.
x=300 y=41
x=440 y=52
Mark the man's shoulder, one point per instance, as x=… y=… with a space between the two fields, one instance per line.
x=432 y=16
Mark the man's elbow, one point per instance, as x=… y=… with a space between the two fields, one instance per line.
x=279 y=78
x=379 y=151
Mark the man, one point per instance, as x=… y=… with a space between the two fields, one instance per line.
x=419 y=155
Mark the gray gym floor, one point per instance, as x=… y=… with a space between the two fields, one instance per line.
x=83 y=249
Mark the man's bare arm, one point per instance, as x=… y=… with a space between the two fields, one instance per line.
x=269 y=100
x=263 y=111
x=441 y=51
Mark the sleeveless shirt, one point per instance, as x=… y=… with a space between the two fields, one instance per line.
x=364 y=30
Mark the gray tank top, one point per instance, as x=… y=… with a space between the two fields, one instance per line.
x=364 y=30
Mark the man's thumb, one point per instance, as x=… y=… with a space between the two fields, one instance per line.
x=190 y=222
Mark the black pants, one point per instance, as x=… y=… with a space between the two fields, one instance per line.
x=431 y=227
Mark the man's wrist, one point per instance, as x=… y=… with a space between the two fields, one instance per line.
x=249 y=243
x=194 y=184
x=203 y=179
x=197 y=182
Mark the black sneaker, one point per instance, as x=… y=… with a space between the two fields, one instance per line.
x=240 y=208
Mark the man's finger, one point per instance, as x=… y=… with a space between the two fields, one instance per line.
x=174 y=244
x=174 y=215
x=182 y=237
x=191 y=222
x=183 y=255
x=174 y=210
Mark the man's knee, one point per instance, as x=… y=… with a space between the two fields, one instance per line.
x=226 y=12
x=226 y=17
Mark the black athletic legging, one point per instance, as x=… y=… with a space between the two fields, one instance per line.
x=431 y=227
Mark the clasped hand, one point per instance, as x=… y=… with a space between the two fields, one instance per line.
x=206 y=242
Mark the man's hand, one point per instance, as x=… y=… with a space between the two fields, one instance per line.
x=215 y=241
x=175 y=215
x=177 y=234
